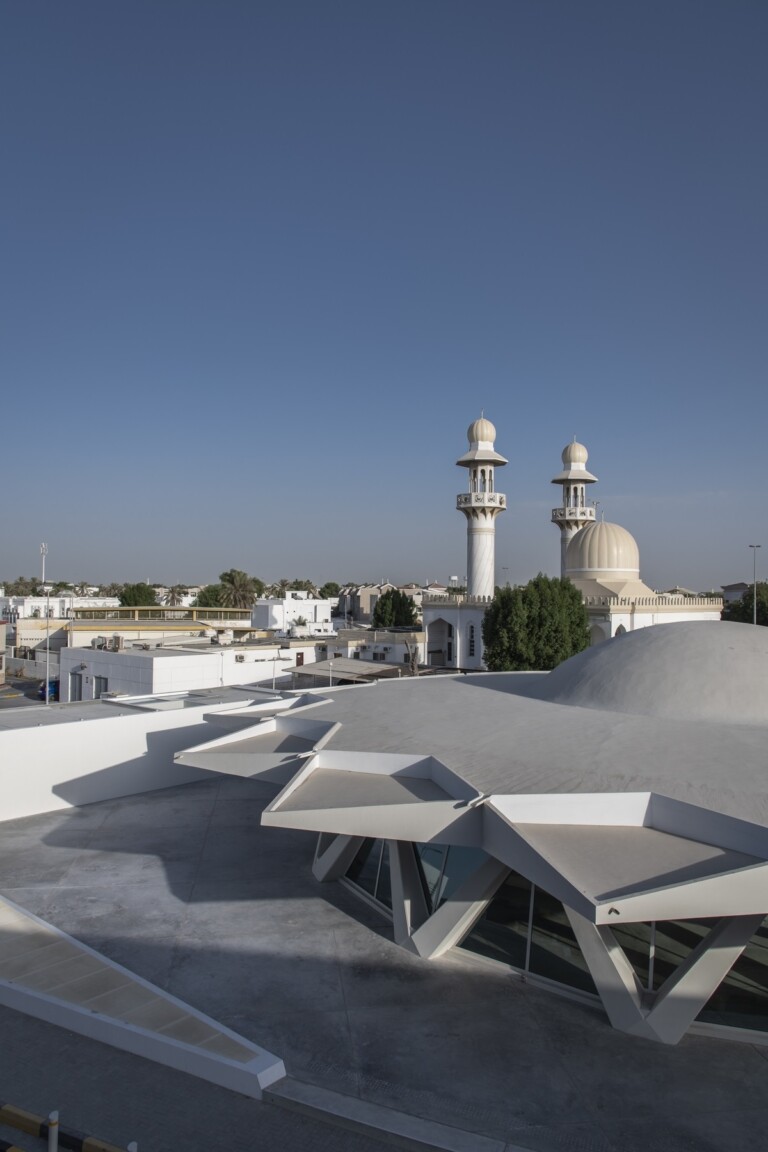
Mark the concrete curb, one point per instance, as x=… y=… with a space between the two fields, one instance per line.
x=386 y=1124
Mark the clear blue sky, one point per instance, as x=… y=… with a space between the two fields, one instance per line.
x=263 y=262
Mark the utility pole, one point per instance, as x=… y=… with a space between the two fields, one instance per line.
x=754 y=548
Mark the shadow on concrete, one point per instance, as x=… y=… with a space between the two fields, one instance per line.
x=184 y=887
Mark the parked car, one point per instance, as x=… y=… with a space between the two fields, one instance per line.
x=53 y=690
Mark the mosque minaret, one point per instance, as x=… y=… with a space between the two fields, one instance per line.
x=575 y=511
x=481 y=505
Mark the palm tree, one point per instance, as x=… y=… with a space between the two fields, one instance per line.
x=110 y=589
x=237 y=589
x=175 y=595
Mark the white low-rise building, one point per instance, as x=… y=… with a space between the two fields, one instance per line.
x=90 y=673
x=297 y=613
x=59 y=607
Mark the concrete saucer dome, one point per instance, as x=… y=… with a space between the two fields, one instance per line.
x=704 y=671
x=603 y=550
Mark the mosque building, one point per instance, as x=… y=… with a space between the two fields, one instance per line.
x=603 y=561
x=600 y=558
x=454 y=625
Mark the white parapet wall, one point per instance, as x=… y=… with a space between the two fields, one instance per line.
x=60 y=765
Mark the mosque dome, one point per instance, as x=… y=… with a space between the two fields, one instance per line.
x=603 y=549
x=694 y=670
x=481 y=429
x=574 y=453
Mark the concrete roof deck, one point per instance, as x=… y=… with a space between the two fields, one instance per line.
x=605 y=861
x=502 y=741
x=186 y=888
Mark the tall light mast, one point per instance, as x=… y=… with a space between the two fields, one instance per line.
x=481 y=505
x=575 y=510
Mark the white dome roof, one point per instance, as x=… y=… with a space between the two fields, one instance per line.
x=603 y=548
x=481 y=429
x=700 y=670
x=574 y=453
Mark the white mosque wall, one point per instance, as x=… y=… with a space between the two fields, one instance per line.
x=633 y=619
x=454 y=631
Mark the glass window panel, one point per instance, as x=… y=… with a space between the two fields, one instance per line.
x=502 y=930
x=554 y=951
x=675 y=940
x=430 y=858
x=742 y=999
x=459 y=863
x=384 y=886
x=365 y=867
x=635 y=940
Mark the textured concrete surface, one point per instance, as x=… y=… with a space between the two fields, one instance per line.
x=185 y=888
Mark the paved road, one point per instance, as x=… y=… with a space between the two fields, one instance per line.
x=18 y=693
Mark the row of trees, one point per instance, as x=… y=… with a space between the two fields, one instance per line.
x=742 y=611
x=235 y=589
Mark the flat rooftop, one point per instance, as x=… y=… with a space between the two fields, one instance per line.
x=184 y=887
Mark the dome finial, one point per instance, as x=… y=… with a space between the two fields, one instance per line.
x=481 y=430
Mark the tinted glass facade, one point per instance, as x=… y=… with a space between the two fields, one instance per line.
x=528 y=929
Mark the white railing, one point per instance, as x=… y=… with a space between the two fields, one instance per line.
x=481 y=500
x=713 y=602
x=573 y=514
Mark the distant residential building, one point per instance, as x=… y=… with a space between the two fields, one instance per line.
x=380 y=646
x=120 y=627
x=357 y=601
x=297 y=613
x=59 y=607
x=734 y=592
x=90 y=673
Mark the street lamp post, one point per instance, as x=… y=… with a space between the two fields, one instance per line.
x=47 y=590
x=754 y=548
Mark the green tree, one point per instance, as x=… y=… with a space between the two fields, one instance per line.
x=23 y=586
x=278 y=590
x=137 y=595
x=329 y=589
x=209 y=597
x=742 y=610
x=110 y=589
x=535 y=627
x=238 y=589
x=175 y=595
x=303 y=586
x=393 y=609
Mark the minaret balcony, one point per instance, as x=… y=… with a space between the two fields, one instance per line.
x=567 y=515
x=468 y=500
